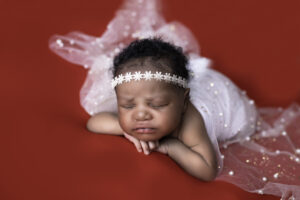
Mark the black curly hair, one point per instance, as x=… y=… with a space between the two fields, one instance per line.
x=152 y=52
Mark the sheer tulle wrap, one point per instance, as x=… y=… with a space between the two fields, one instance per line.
x=258 y=149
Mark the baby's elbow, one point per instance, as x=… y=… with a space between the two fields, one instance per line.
x=208 y=177
x=212 y=169
x=90 y=125
x=210 y=174
x=104 y=123
x=96 y=123
x=213 y=175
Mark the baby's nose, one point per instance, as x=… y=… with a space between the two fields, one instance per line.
x=142 y=115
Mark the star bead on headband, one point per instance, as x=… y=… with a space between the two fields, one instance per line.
x=148 y=75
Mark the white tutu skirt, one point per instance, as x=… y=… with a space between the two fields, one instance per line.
x=258 y=149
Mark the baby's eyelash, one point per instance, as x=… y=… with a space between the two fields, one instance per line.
x=158 y=106
x=127 y=106
x=151 y=105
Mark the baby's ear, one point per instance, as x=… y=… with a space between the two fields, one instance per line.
x=186 y=98
x=186 y=94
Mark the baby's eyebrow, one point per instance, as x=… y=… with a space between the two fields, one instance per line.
x=128 y=99
x=158 y=98
x=154 y=98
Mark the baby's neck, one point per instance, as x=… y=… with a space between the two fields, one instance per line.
x=175 y=133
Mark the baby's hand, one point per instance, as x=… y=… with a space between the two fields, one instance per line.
x=140 y=145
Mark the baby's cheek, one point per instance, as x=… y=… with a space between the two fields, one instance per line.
x=125 y=124
x=169 y=123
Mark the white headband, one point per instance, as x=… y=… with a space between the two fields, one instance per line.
x=118 y=80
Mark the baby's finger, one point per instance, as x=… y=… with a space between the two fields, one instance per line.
x=152 y=145
x=138 y=145
x=145 y=147
x=131 y=139
x=128 y=136
x=134 y=141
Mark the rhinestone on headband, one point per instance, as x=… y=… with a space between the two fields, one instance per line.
x=148 y=75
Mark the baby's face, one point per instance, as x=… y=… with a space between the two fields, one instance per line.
x=149 y=110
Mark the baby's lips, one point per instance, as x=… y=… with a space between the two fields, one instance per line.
x=144 y=130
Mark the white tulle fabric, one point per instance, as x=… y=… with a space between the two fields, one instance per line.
x=257 y=149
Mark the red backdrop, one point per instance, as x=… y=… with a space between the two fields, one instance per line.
x=46 y=151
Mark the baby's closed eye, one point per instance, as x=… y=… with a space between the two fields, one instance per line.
x=127 y=106
x=158 y=105
x=152 y=105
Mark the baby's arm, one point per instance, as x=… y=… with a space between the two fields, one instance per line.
x=191 y=161
x=194 y=151
x=106 y=123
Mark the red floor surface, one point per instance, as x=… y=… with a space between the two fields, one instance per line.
x=46 y=151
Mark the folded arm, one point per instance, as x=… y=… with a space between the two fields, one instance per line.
x=105 y=123
x=191 y=161
x=193 y=150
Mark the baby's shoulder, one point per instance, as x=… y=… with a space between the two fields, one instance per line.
x=192 y=130
x=194 y=135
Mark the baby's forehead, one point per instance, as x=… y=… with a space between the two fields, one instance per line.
x=146 y=88
x=151 y=97
x=146 y=64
